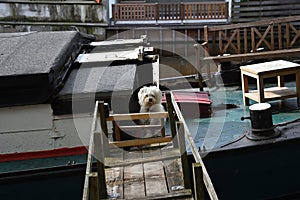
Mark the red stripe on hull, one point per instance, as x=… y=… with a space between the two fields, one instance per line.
x=43 y=154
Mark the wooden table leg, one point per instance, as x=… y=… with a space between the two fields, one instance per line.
x=245 y=89
x=280 y=80
x=260 y=89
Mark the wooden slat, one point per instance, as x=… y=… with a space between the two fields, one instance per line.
x=114 y=182
x=173 y=170
x=181 y=194
x=88 y=171
x=274 y=93
x=137 y=116
x=144 y=127
x=115 y=162
x=151 y=152
x=279 y=31
x=155 y=180
x=140 y=142
x=134 y=182
x=129 y=157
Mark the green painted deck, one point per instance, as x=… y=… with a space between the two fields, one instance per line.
x=225 y=124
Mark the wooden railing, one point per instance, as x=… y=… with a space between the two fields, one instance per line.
x=170 y=11
x=264 y=39
x=204 y=175
x=272 y=34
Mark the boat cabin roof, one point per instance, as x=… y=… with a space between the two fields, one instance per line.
x=34 y=52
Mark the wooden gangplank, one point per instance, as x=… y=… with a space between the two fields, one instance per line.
x=153 y=168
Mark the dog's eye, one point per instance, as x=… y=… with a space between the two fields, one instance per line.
x=146 y=95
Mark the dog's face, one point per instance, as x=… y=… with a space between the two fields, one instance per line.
x=149 y=96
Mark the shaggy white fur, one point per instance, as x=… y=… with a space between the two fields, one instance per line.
x=150 y=101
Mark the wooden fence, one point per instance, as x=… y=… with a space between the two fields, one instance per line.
x=264 y=39
x=170 y=11
x=272 y=34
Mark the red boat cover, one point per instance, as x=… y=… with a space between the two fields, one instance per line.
x=190 y=97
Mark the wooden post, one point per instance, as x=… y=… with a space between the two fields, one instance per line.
x=114 y=14
x=182 y=11
x=172 y=119
x=94 y=187
x=287 y=35
x=272 y=38
x=205 y=46
x=227 y=10
x=279 y=36
x=238 y=38
x=156 y=12
x=260 y=89
x=99 y=154
x=253 y=39
x=183 y=155
x=205 y=34
x=298 y=87
x=245 y=40
x=198 y=181
x=200 y=79
x=103 y=127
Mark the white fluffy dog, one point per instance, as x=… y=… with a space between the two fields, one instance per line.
x=150 y=101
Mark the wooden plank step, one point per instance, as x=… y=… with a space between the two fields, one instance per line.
x=114 y=182
x=140 y=142
x=155 y=180
x=134 y=182
x=185 y=194
x=181 y=194
x=115 y=162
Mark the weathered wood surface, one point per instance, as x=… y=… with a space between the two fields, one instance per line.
x=270 y=67
x=143 y=177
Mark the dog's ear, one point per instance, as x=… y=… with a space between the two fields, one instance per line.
x=142 y=91
x=158 y=95
x=140 y=95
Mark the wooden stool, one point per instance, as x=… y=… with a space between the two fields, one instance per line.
x=259 y=71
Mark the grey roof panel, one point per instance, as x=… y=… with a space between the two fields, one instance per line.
x=100 y=80
x=33 y=52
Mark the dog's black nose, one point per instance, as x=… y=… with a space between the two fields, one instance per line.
x=150 y=99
